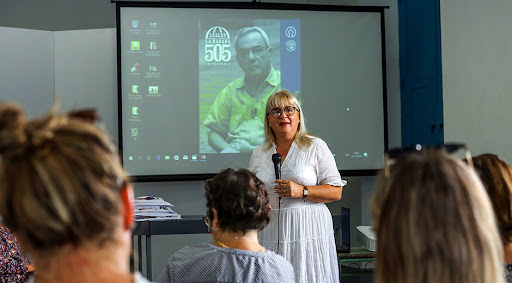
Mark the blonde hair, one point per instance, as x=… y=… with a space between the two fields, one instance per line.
x=60 y=180
x=434 y=223
x=281 y=99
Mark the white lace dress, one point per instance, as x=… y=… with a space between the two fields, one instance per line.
x=306 y=230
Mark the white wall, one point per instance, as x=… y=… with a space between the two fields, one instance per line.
x=476 y=39
x=27 y=69
x=83 y=71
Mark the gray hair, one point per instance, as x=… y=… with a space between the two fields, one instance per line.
x=246 y=30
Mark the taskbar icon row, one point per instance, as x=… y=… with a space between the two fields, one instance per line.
x=192 y=157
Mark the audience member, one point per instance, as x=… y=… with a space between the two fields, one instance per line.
x=64 y=193
x=434 y=223
x=238 y=207
x=496 y=175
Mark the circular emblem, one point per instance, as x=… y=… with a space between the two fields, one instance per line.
x=290 y=32
x=291 y=45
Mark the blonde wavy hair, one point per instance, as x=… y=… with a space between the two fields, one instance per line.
x=60 y=180
x=281 y=99
x=434 y=223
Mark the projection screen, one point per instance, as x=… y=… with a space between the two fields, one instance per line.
x=183 y=78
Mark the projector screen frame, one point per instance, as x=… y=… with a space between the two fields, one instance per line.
x=249 y=6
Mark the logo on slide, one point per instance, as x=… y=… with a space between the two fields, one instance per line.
x=135 y=110
x=291 y=45
x=135 y=23
x=216 y=45
x=152 y=45
x=290 y=32
x=135 y=89
x=135 y=45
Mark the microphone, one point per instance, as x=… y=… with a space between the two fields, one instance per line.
x=276 y=158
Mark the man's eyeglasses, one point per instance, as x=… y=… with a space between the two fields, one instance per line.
x=256 y=51
x=288 y=110
x=398 y=153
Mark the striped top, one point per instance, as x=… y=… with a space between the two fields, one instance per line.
x=209 y=263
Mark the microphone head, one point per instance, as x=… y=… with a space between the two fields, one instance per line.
x=276 y=158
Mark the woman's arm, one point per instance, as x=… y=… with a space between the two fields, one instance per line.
x=324 y=193
x=320 y=193
x=331 y=185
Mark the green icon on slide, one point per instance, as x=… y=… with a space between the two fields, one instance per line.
x=135 y=45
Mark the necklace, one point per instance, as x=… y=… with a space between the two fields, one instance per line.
x=248 y=238
x=224 y=246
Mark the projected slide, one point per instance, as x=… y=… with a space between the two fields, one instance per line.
x=194 y=81
x=240 y=65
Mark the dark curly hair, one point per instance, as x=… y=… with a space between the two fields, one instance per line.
x=240 y=199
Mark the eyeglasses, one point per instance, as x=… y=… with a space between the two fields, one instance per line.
x=398 y=153
x=288 y=110
x=256 y=51
x=206 y=221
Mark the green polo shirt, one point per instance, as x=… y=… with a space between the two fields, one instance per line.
x=239 y=115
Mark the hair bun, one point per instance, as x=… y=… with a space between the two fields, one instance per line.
x=12 y=122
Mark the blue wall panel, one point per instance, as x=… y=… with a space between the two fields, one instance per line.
x=420 y=72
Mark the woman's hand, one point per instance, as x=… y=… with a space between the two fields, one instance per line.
x=286 y=188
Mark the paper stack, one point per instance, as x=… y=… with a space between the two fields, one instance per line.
x=149 y=208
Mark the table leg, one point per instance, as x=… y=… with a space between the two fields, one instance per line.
x=139 y=252
x=148 y=258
